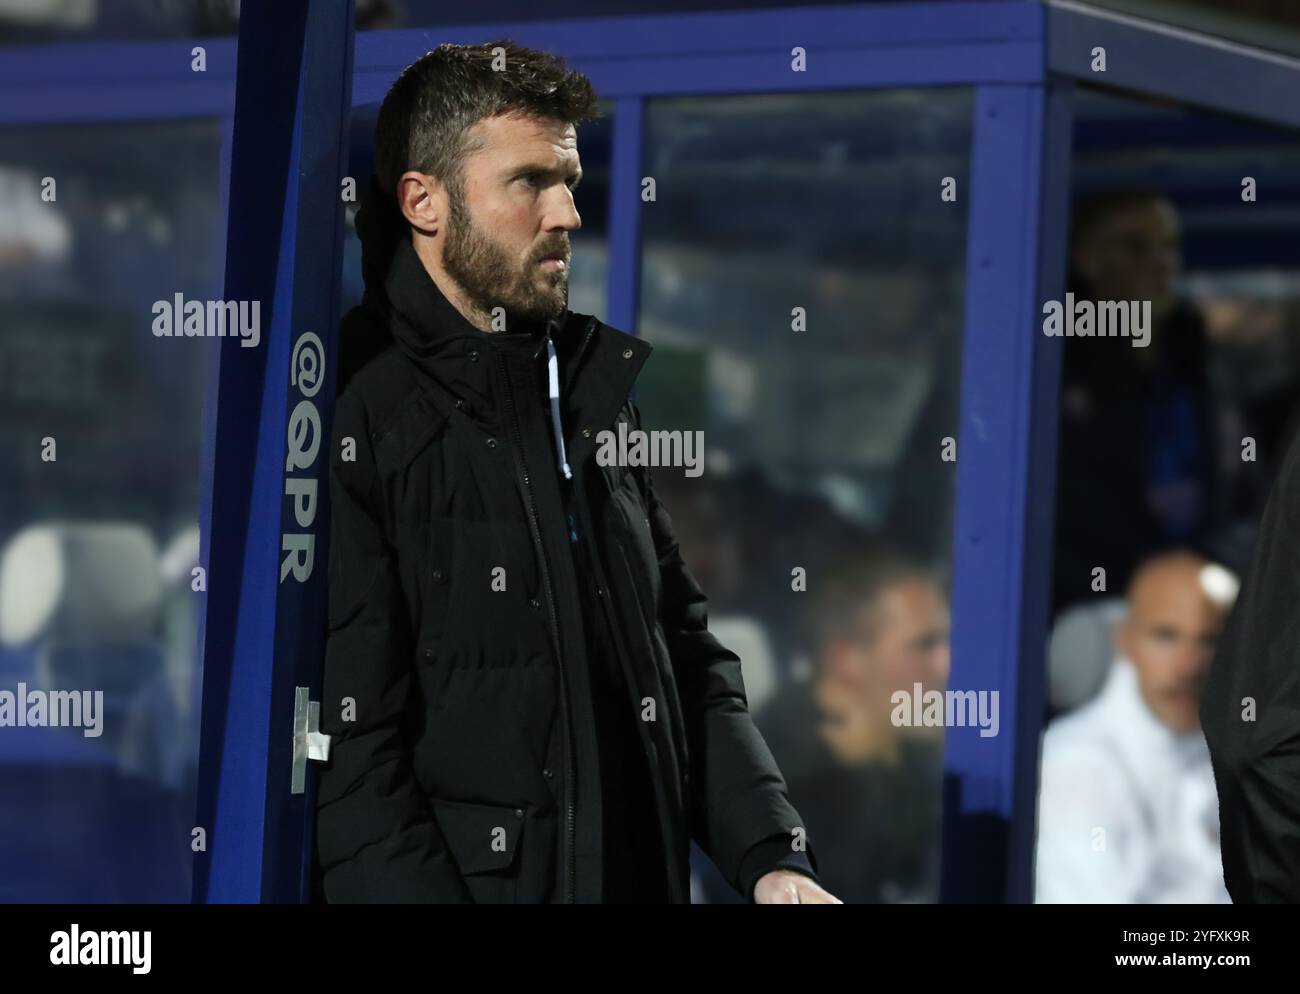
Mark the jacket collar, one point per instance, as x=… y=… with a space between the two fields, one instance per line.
x=598 y=364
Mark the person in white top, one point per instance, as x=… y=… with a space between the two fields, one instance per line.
x=1127 y=810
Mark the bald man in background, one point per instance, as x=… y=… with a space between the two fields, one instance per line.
x=1127 y=809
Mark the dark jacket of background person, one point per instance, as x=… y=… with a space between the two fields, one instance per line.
x=876 y=822
x=1250 y=711
x=471 y=769
x=1126 y=428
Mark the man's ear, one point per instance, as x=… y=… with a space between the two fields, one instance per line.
x=421 y=201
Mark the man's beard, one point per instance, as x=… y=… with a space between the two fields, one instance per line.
x=490 y=278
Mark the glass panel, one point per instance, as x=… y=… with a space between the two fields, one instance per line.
x=1172 y=444
x=100 y=430
x=802 y=286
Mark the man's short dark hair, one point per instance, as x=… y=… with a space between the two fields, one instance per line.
x=1092 y=210
x=425 y=119
x=844 y=601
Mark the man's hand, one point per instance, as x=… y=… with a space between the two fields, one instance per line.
x=790 y=887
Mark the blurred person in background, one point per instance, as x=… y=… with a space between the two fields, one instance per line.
x=746 y=534
x=1127 y=811
x=869 y=790
x=1135 y=469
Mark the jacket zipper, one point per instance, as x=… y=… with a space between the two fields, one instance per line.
x=591 y=330
x=521 y=470
x=665 y=822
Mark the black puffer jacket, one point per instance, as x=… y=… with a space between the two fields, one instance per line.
x=1250 y=709
x=457 y=689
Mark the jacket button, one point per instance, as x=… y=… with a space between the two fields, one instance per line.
x=491 y=443
x=473 y=355
x=627 y=353
x=428 y=653
x=519 y=812
x=600 y=591
x=439 y=576
x=535 y=604
x=459 y=403
x=586 y=433
x=548 y=773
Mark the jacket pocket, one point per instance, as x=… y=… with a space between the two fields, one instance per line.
x=484 y=840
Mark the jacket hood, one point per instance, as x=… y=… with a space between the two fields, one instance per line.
x=364 y=331
x=380 y=228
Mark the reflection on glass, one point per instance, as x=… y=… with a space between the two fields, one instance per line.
x=802 y=286
x=100 y=421
x=1166 y=454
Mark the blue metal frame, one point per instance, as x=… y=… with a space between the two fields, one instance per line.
x=145 y=81
x=624 y=284
x=264 y=631
x=1006 y=467
x=877 y=45
x=1023 y=57
x=1164 y=61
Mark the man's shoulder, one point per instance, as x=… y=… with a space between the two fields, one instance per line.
x=374 y=393
x=373 y=418
x=1087 y=733
x=1104 y=748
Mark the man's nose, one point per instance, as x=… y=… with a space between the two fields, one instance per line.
x=561 y=213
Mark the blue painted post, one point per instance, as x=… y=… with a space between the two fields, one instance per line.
x=1006 y=465
x=266 y=535
x=624 y=282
